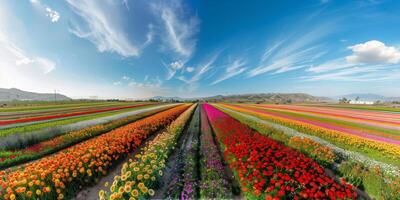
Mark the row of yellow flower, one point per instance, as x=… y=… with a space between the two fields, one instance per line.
x=64 y=173
x=322 y=154
x=139 y=176
x=387 y=150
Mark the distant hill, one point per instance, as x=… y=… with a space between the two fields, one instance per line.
x=268 y=98
x=162 y=98
x=253 y=98
x=370 y=97
x=17 y=94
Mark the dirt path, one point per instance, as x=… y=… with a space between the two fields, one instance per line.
x=175 y=164
x=92 y=192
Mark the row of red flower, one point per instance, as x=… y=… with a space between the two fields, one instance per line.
x=266 y=168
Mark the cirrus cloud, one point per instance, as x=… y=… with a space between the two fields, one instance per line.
x=102 y=27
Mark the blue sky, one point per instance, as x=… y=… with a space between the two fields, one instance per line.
x=142 y=48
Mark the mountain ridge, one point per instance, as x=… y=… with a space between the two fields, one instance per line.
x=253 y=98
x=13 y=94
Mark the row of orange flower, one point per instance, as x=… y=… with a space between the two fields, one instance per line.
x=387 y=150
x=60 y=142
x=66 y=172
x=139 y=177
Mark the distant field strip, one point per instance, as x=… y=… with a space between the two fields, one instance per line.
x=337 y=127
x=51 y=106
x=56 y=116
x=388 y=120
x=393 y=170
x=25 y=114
x=377 y=147
x=51 y=131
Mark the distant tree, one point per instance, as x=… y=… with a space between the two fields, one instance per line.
x=343 y=100
x=357 y=98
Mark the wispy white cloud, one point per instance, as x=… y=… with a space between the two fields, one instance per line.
x=52 y=14
x=102 y=27
x=126 y=4
x=190 y=69
x=232 y=70
x=200 y=71
x=173 y=67
x=19 y=68
x=359 y=74
x=297 y=50
x=149 y=36
x=180 y=27
x=331 y=65
x=117 y=83
x=372 y=52
x=370 y=61
x=126 y=78
x=154 y=83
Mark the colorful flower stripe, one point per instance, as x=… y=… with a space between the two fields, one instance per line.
x=356 y=132
x=267 y=168
x=50 y=146
x=213 y=183
x=382 y=184
x=361 y=127
x=362 y=114
x=139 y=177
x=33 y=113
x=57 y=116
x=64 y=173
x=388 y=150
x=370 y=118
x=192 y=144
x=317 y=151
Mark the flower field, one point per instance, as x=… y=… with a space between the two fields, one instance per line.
x=40 y=149
x=211 y=151
x=62 y=115
x=269 y=169
x=364 y=169
x=378 y=147
x=62 y=174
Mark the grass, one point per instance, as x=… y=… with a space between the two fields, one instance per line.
x=41 y=125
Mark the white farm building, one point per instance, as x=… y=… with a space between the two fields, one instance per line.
x=361 y=102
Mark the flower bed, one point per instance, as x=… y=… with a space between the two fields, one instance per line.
x=266 y=168
x=12 y=158
x=386 y=151
x=66 y=172
x=139 y=177
x=56 y=116
x=213 y=183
